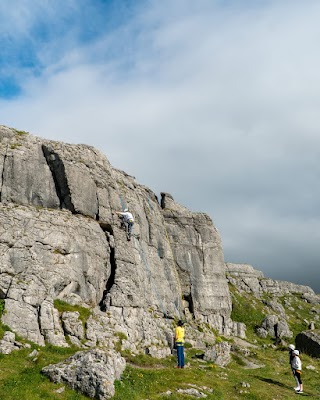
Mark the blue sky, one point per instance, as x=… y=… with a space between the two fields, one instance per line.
x=214 y=101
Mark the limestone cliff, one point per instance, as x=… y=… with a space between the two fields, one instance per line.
x=60 y=239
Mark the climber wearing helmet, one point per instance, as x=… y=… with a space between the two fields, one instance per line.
x=296 y=367
x=127 y=221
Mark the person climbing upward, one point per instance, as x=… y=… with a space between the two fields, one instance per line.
x=127 y=221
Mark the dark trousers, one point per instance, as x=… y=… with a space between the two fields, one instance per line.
x=180 y=354
x=297 y=375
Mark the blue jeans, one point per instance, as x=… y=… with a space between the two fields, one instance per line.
x=180 y=354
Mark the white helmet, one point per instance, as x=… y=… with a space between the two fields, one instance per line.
x=126 y=210
x=296 y=352
x=291 y=346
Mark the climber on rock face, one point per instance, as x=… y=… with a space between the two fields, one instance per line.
x=127 y=221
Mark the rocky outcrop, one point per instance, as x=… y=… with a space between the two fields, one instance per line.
x=197 y=252
x=275 y=327
x=92 y=372
x=61 y=239
x=247 y=279
x=308 y=342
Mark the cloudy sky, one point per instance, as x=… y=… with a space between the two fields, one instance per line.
x=216 y=102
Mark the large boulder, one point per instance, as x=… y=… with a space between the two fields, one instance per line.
x=309 y=342
x=90 y=372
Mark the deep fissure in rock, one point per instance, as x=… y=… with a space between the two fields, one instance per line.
x=107 y=228
x=2 y=176
x=188 y=298
x=59 y=177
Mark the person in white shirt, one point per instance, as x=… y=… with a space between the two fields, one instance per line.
x=296 y=365
x=127 y=221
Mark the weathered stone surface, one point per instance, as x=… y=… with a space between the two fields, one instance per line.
x=247 y=279
x=8 y=343
x=42 y=252
x=197 y=252
x=275 y=327
x=311 y=298
x=309 y=342
x=72 y=325
x=244 y=277
x=25 y=175
x=92 y=372
x=219 y=354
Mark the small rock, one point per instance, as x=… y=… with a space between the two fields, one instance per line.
x=60 y=390
x=311 y=367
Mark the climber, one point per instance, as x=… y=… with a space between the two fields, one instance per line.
x=179 y=344
x=296 y=367
x=127 y=221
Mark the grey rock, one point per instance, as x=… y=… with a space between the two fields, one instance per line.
x=72 y=325
x=244 y=277
x=192 y=392
x=195 y=245
x=311 y=298
x=219 y=354
x=261 y=332
x=309 y=342
x=42 y=252
x=8 y=343
x=92 y=372
x=275 y=327
x=247 y=279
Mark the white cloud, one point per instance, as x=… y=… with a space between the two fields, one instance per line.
x=216 y=105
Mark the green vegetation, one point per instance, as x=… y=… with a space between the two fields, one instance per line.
x=21 y=133
x=273 y=381
x=20 y=377
x=153 y=379
x=62 y=306
x=15 y=146
x=246 y=308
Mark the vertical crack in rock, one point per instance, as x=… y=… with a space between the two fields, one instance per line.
x=59 y=177
x=110 y=282
x=3 y=171
x=98 y=208
x=189 y=299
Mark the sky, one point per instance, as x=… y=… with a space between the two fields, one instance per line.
x=216 y=102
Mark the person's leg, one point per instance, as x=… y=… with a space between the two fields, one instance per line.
x=300 y=381
x=179 y=355
x=182 y=357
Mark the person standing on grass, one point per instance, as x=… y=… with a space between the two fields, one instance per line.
x=179 y=343
x=296 y=367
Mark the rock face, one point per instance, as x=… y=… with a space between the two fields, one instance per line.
x=247 y=279
x=91 y=372
x=61 y=239
x=309 y=342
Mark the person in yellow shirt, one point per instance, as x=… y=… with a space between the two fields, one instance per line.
x=179 y=342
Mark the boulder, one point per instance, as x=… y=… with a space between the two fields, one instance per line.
x=309 y=342
x=275 y=327
x=91 y=372
x=219 y=354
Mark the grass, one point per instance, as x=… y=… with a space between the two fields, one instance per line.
x=273 y=381
x=21 y=378
x=147 y=378
x=246 y=309
x=62 y=306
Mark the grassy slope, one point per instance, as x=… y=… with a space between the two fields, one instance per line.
x=147 y=378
